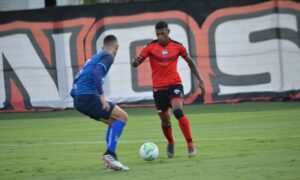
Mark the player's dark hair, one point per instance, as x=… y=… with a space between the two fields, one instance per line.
x=109 y=40
x=161 y=25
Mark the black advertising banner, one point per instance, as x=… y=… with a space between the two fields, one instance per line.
x=245 y=50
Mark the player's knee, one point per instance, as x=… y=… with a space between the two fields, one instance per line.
x=119 y=114
x=178 y=113
x=163 y=113
x=166 y=124
x=124 y=117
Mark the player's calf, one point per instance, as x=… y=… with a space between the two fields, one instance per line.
x=170 y=150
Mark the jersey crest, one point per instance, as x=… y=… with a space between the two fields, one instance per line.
x=165 y=52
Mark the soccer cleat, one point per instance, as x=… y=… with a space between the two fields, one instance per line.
x=192 y=152
x=111 y=163
x=170 y=150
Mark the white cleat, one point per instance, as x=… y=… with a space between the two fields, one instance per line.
x=111 y=163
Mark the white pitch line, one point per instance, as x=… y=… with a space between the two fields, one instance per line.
x=139 y=141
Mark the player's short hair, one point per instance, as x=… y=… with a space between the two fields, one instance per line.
x=109 y=40
x=161 y=25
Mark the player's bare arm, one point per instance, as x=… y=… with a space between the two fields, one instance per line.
x=196 y=72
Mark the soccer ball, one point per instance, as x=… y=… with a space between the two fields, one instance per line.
x=149 y=151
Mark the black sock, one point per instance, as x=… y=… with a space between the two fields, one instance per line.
x=111 y=153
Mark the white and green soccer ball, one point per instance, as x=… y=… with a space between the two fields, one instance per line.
x=149 y=151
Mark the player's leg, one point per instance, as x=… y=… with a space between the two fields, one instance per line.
x=166 y=126
x=162 y=106
x=176 y=96
x=117 y=121
x=167 y=130
x=108 y=122
x=184 y=125
x=115 y=118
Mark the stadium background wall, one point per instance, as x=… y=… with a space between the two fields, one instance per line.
x=245 y=50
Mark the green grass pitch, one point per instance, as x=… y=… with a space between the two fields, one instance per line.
x=250 y=140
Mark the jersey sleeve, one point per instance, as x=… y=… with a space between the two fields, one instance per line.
x=183 y=51
x=98 y=76
x=106 y=61
x=145 y=52
x=101 y=70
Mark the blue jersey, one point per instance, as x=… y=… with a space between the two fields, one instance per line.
x=91 y=77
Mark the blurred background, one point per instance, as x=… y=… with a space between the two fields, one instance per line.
x=9 y=5
x=245 y=50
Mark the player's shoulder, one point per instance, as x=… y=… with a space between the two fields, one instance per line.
x=102 y=54
x=152 y=42
x=176 y=42
x=105 y=53
x=107 y=56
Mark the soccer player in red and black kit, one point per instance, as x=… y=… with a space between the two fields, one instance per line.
x=167 y=86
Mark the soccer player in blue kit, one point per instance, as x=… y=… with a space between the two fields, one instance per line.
x=89 y=99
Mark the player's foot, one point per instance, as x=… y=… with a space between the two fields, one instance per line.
x=111 y=163
x=170 y=150
x=192 y=152
x=114 y=155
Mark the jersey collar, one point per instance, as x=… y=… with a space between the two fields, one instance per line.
x=166 y=44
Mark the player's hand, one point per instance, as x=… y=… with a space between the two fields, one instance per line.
x=136 y=62
x=201 y=86
x=105 y=104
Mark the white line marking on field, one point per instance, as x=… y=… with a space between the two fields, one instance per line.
x=139 y=141
x=294 y=136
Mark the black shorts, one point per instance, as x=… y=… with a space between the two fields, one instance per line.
x=91 y=106
x=162 y=98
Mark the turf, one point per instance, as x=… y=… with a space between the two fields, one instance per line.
x=250 y=140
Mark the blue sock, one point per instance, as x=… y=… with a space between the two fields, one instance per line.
x=107 y=134
x=114 y=134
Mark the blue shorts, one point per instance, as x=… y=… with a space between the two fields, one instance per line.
x=90 y=105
